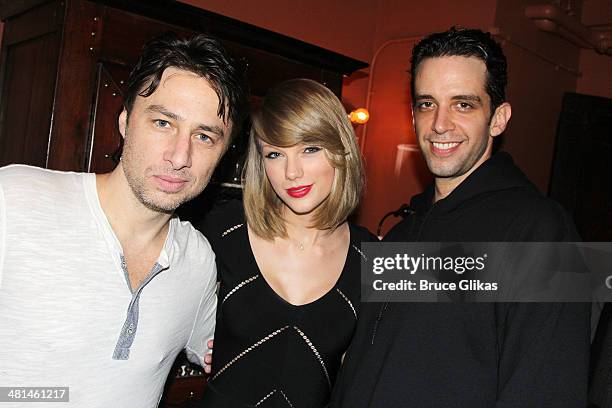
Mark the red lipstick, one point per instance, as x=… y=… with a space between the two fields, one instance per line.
x=299 y=191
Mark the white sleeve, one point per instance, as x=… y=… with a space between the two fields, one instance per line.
x=204 y=325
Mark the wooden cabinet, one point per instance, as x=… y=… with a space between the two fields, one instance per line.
x=65 y=62
x=183 y=390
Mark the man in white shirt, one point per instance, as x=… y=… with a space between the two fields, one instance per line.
x=100 y=285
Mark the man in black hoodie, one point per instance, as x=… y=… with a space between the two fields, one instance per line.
x=480 y=354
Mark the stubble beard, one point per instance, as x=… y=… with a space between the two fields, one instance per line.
x=168 y=202
x=457 y=168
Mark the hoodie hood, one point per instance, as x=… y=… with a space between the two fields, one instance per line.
x=496 y=174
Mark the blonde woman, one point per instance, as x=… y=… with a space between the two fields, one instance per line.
x=289 y=262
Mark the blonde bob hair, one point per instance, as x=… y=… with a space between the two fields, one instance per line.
x=301 y=111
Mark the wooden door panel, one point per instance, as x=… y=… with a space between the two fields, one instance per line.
x=28 y=95
x=105 y=137
x=75 y=87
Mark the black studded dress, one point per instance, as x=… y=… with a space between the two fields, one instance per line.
x=268 y=352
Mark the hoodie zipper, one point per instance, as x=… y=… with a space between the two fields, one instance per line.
x=418 y=237
x=385 y=305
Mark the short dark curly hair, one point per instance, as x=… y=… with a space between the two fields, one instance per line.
x=466 y=43
x=201 y=54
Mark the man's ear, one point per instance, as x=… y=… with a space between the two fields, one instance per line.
x=122 y=122
x=500 y=119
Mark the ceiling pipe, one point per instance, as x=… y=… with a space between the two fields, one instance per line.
x=550 y=18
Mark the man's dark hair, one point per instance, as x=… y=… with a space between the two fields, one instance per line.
x=202 y=55
x=466 y=43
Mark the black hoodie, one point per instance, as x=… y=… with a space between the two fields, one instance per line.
x=479 y=354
